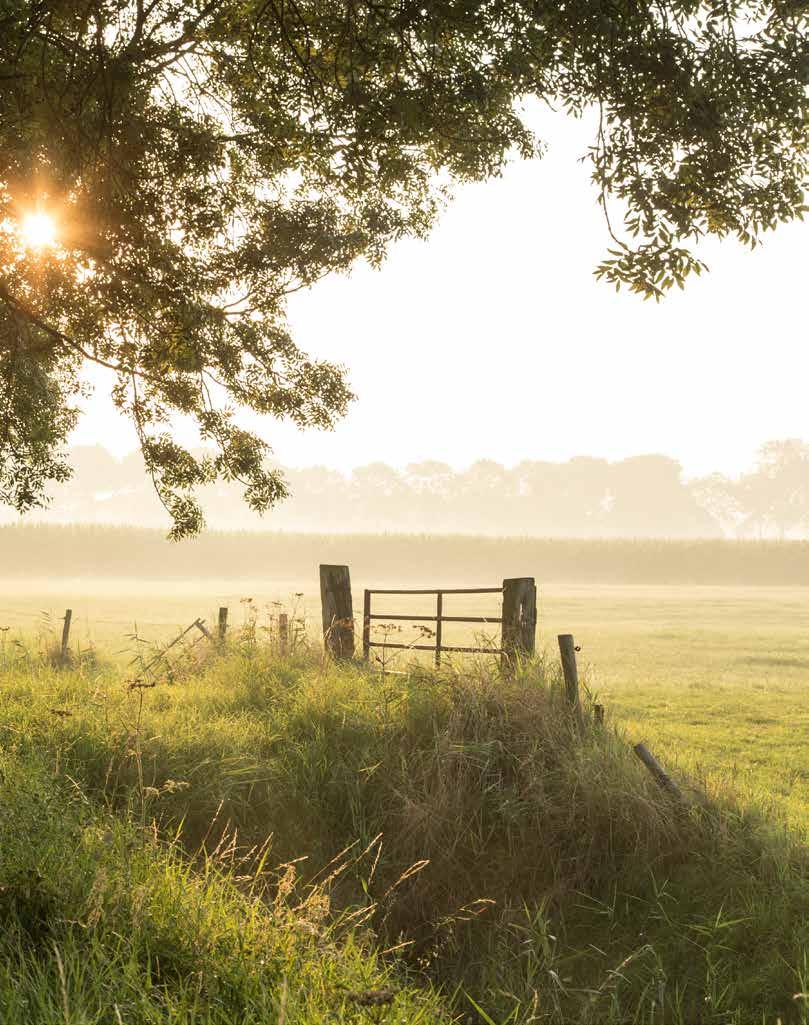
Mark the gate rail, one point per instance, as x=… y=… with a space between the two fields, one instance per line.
x=439 y=619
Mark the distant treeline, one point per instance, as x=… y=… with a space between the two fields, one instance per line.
x=642 y=496
x=95 y=553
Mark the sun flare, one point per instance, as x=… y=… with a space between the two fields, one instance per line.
x=39 y=230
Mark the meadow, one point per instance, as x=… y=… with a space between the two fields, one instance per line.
x=714 y=677
x=275 y=838
x=524 y=873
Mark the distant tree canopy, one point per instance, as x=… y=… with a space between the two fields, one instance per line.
x=642 y=496
x=202 y=160
x=771 y=500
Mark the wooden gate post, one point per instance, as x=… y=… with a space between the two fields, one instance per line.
x=338 y=611
x=518 y=637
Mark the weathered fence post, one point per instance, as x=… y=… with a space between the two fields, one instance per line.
x=518 y=637
x=63 y=651
x=222 y=625
x=567 y=651
x=283 y=633
x=338 y=612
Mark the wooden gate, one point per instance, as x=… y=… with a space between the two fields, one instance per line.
x=517 y=622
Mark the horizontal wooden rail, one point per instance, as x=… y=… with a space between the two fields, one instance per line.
x=444 y=619
x=446 y=590
x=432 y=647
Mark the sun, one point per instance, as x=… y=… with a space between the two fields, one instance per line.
x=39 y=230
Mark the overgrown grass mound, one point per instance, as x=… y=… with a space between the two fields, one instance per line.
x=101 y=923
x=464 y=824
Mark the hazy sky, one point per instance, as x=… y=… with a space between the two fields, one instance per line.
x=492 y=339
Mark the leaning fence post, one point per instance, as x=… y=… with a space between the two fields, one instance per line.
x=222 y=625
x=567 y=651
x=656 y=769
x=283 y=633
x=518 y=634
x=338 y=613
x=203 y=629
x=63 y=652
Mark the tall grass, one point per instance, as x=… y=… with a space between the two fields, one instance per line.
x=532 y=872
x=105 y=923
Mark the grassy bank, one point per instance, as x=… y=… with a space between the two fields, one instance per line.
x=96 y=552
x=103 y=921
x=463 y=824
x=716 y=677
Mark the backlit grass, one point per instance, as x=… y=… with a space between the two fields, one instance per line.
x=715 y=677
x=528 y=872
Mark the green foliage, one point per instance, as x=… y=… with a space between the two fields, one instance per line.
x=36 y=389
x=204 y=160
x=103 y=923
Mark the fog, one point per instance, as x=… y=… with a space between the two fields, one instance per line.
x=639 y=497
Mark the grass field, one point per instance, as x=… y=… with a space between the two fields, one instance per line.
x=713 y=678
x=609 y=907
x=282 y=840
x=716 y=679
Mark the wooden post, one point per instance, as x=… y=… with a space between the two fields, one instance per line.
x=283 y=633
x=366 y=625
x=598 y=715
x=223 y=625
x=653 y=765
x=567 y=651
x=63 y=651
x=518 y=636
x=338 y=612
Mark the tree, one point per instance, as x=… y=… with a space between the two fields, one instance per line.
x=775 y=496
x=564 y=497
x=430 y=477
x=649 y=499
x=377 y=491
x=202 y=159
x=772 y=499
x=720 y=497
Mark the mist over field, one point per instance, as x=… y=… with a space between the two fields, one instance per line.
x=92 y=553
x=643 y=496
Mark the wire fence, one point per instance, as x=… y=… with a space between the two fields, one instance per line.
x=148 y=650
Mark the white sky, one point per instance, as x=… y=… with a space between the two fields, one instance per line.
x=493 y=340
